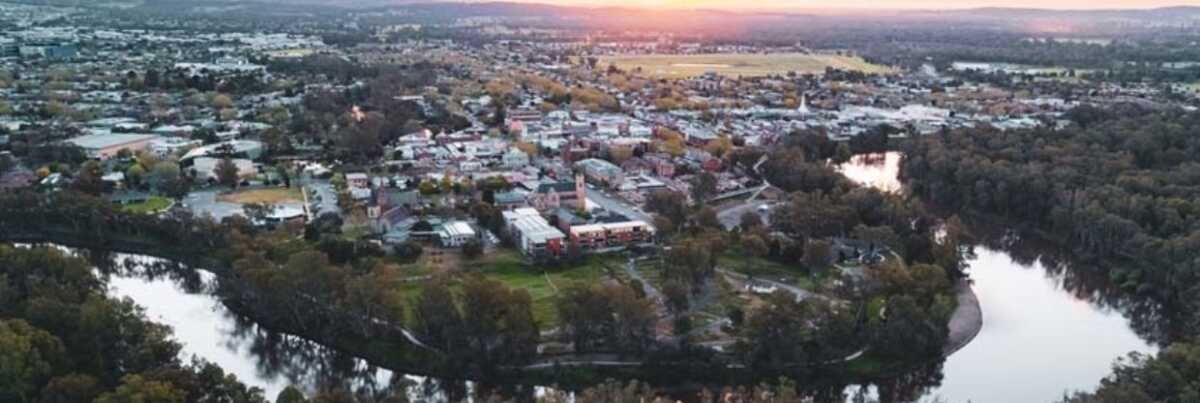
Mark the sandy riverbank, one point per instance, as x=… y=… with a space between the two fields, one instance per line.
x=967 y=320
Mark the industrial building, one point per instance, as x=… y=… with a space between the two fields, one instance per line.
x=105 y=146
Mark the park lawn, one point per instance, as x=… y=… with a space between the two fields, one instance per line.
x=264 y=196
x=797 y=274
x=154 y=204
x=733 y=65
x=511 y=269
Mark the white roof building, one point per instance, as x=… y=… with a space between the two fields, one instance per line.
x=534 y=234
x=456 y=233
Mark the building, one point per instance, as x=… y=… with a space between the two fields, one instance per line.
x=357 y=180
x=105 y=146
x=524 y=115
x=598 y=170
x=509 y=200
x=565 y=194
x=204 y=168
x=164 y=146
x=514 y=159
x=456 y=233
x=612 y=235
x=49 y=51
x=243 y=148
x=533 y=235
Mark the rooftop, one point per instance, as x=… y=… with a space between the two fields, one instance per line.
x=99 y=141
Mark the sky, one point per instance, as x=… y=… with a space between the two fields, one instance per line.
x=880 y=4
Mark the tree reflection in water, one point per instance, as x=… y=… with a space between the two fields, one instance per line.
x=1150 y=319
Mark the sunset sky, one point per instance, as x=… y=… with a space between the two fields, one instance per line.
x=879 y=4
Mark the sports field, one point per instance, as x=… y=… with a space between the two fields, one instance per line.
x=263 y=196
x=733 y=65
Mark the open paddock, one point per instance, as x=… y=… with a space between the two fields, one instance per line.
x=737 y=64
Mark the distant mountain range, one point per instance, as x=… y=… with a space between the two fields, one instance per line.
x=1077 y=20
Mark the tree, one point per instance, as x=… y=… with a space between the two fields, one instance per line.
x=1168 y=376
x=472 y=249
x=90 y=179
x=258 y=212
x=754 y=246
x=606 y=317
x=620 y=154
x=818 y=253
x=291 y=395
x=134 y=175
x=720 y=147
x=843 y=154
x=750 y=220
x=785 y=332
x=151 y=79
x=704 y=186
x=428 y=187
x=706 y=218
x=166 y=178
x=71 y=388
x=676 y=294
x=669 y=203
x=138 y=389
x=437 y=316
x=491 y=325
x=530 y=149
x=284 y=175
x=222 y=101
x=911 y=331
x=226 y=172
x=26 y=356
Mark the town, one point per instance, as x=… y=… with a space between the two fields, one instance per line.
x=536 y=196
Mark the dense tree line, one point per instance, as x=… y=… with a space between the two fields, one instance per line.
x=96 y=221
x=63 y=340
x=356 y=122
x=1119 y=186
x=607 y=317
x=1172 y=375
x=346 y=291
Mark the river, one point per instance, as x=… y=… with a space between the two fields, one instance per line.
x=1039 y=337
x=1043 y=332
x=268 y=360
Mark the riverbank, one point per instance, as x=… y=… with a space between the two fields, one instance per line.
x=967 y=320
x=394 y=352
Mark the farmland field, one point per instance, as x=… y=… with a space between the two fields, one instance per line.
x=733 y=65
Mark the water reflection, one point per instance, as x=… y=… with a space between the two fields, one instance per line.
x=181 y=297
x=879 y=170
x=1048 y=326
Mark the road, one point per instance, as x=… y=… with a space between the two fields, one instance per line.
x=606 y=201
x=800 y=293
x=204 y=202
x=732 y=217
x=651 y=292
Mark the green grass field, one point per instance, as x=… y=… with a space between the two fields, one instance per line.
x=509 y=268
x=154 y=204
x=733 y=65
x=796 y=274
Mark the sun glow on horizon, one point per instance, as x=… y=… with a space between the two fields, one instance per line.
x=873 y=4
